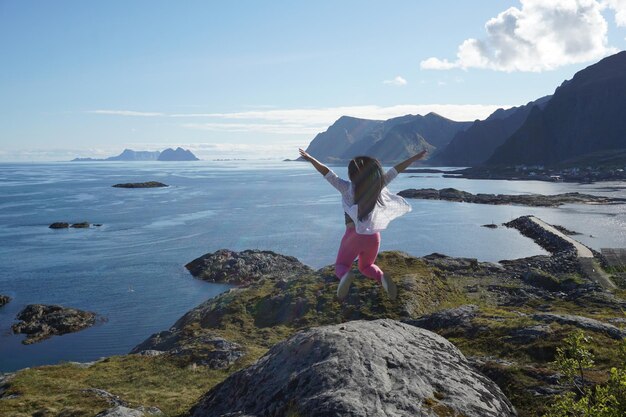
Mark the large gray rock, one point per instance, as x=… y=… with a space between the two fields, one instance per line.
x=243 y=268
x=359 y=368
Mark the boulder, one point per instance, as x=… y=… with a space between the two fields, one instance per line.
x=243 y=268
x=59 y=225
x=359 y=368
x=40 y=321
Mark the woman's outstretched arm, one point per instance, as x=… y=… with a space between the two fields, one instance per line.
x=404 y=165
x=321 y=168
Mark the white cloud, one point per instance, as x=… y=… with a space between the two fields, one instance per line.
x=308 y=121
x=619 y=7
x=127 y=113
x=276 y=128
x=398 y=81
x=542 y=35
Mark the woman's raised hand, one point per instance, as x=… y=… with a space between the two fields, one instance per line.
x=304 y=155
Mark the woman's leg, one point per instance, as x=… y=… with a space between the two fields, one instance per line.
x=369 y=245
x=348 y=251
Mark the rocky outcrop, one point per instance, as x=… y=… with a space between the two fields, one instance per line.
x=41 y=321
x=59 y=225
x=243 y=268
x=533 y=200
x=4 y=299
x=359 y=368
x=460 y=317
x=207 y=350
x=585 y=323
x=148 y=184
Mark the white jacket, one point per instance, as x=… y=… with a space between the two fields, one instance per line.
x=393 y=205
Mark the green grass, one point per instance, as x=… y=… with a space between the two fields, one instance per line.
x=266 y=313
x=138 y=380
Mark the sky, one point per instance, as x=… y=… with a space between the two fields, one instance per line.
x=252 y=79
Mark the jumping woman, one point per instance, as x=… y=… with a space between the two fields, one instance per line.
x=368 y=208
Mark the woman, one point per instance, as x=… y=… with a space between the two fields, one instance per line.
x=368 y=207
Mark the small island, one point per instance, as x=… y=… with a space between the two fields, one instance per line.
x=41 y=321
x=4 y=299
x=66 y=225
x=148 y=184
x=129 y=155
x=533 y=200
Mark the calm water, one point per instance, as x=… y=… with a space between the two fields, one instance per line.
x=131 y=270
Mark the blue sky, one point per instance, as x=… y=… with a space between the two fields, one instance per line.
x=259 y=79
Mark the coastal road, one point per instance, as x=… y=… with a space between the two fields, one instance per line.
x=585 y=257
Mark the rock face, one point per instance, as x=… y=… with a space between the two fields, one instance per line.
x=535 y=200
x=242 y=268
x=360 y=368
x=474 y=145
x=41 y=321
x=149 y=184
x=4 y=299
x=586 y=114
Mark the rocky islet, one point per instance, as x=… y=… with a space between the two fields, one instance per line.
x=533 y=200
x=41 y=321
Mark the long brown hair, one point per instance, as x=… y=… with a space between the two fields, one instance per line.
x=368 y=178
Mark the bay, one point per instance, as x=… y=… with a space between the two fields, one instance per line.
x=131 y=269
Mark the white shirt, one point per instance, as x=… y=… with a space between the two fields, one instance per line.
x=394 y=206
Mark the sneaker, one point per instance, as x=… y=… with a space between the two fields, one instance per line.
x=344 y=285
x=389 y=286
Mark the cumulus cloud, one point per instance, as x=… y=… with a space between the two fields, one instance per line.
x=542 y=35
x=619 y=7
x=398 y=81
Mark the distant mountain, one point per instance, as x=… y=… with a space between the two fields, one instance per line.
x=130 y=155
x=179 y=154
x=389 y=140
x=169 y=154
x=342 y=135
x=476 y=144
x=585 y=115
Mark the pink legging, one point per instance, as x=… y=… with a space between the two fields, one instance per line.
x=363 y=246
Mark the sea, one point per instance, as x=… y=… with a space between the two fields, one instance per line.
x=130 y=270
